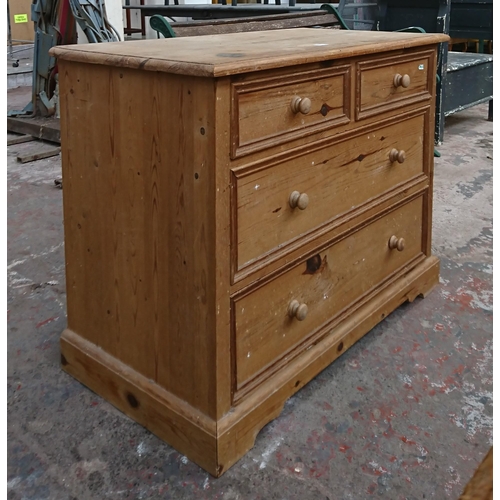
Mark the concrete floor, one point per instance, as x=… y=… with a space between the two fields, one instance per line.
x=404 y=414
x=22 y=74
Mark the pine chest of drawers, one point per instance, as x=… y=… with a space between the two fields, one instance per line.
x=238 y=211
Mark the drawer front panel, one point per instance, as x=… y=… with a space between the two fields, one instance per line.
x=271 y=111
x=336 y=180
x=384 y=83
x=328 y=283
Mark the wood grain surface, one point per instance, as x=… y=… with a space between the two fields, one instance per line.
x=327 y=283
x=375 y=81
x=262 y=109
x=236 y=53
x=183 y=252
x=138 y=256
x=337 y=179
x=290 y=20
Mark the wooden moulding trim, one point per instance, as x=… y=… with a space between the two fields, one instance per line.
x=246 y=87
x=391 y=106
x=375 y=109
x=315 y=336
x=99 y=55
x=275 y=391
x=241 y=272
x=344 y=136
x=297 y=133
x=173 y=420
x=240 y=390
x=132 y=62
x=391 y=60
x=384 y=204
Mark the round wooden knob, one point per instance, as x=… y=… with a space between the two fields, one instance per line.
x=298 y=200
x=396 y=243
x=301 y=105
x=395 y=155
x=297 y=310
x=401 y=80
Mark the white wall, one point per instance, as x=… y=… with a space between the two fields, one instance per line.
x=114 y=11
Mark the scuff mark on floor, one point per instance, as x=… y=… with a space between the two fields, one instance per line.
x=266 y=455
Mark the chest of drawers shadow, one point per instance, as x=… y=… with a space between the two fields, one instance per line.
x=238 y=211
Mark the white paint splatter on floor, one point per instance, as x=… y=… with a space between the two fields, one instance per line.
x=269 y=451
x=141 y=449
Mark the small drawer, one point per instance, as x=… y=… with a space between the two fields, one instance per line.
x=382 y=84
x=326 y=183
x=275 y=321
x=271 y=111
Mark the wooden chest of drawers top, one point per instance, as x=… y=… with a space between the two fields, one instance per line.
x=237 y=53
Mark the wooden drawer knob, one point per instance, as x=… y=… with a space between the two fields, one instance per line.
x=298 y=200
x=297 y=310
x=301 y=105
x=395 y=155
x=396 y=243
x=401 y=80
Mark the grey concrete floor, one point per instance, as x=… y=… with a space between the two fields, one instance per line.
x=404 y=414
x=19 y=65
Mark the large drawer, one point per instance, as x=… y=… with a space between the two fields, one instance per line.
x=269 y=111
x=383 y=83
x=335 y=180
x=328 y=283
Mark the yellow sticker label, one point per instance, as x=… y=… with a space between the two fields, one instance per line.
x=21 y=18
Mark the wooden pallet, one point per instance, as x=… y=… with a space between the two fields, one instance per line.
x=35 y=150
